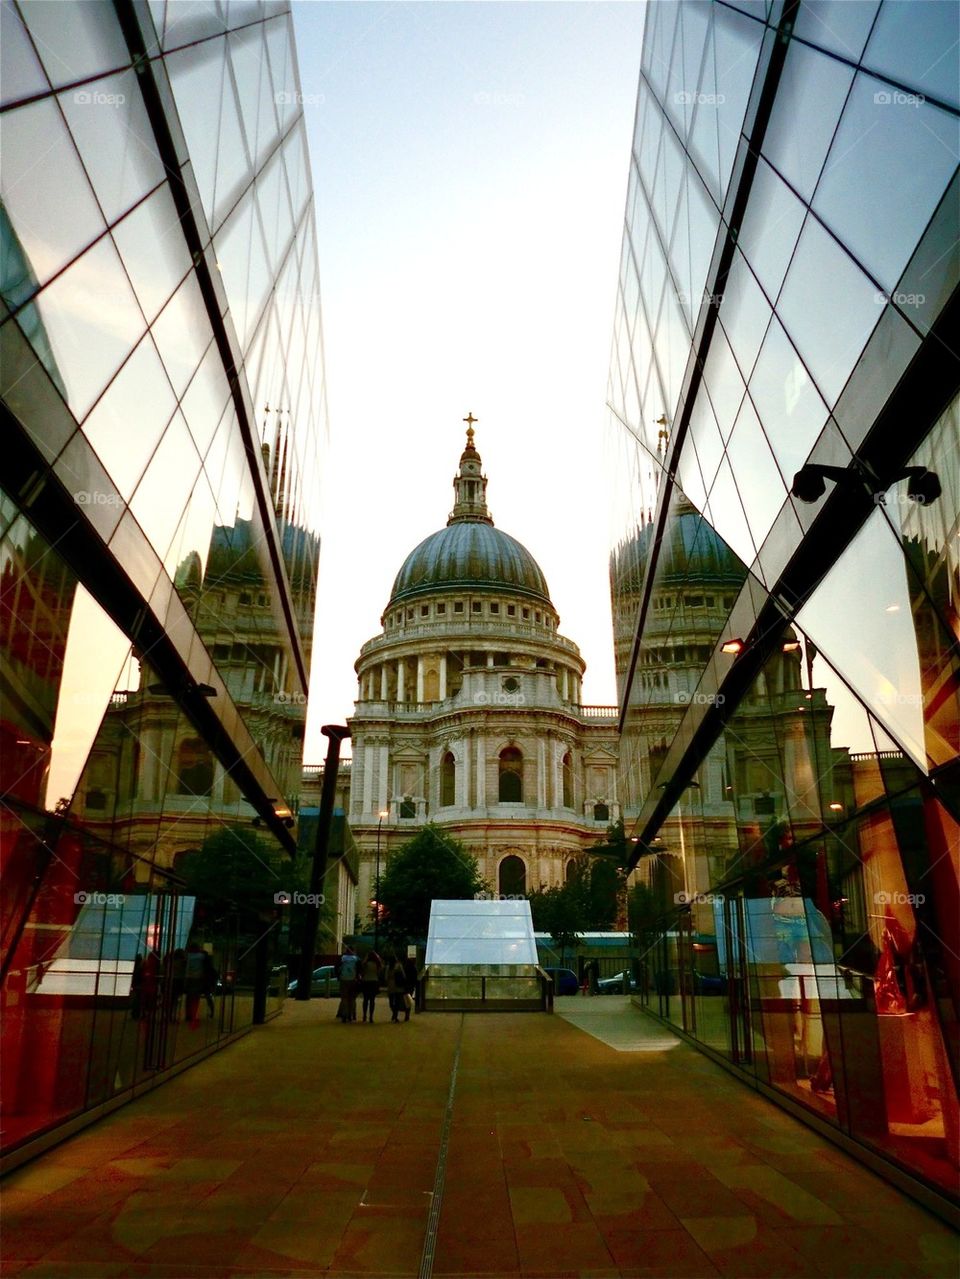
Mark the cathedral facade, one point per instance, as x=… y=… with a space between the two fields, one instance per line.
x=469 y=712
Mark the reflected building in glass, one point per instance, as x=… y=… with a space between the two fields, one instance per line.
x=164 y=416
x=785 y=452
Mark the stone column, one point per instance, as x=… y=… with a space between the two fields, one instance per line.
x=401 y=671
x=481 y=772
x=368 y=778
x=384 y=779
x=565 y=684
x=541 y=773
x=443 y=677
x=383 y=681
x=420 y=678
x=465 y=774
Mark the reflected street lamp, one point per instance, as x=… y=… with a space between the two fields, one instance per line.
x=384 y=812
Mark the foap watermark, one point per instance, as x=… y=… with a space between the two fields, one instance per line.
x=294 y=98
x=683 y=698
x=899 y=298
x=897 y=98
x=499 y=698
x=295 y=698
x=893 y=698
x=695 y=299
x=499 y=897
x=884 y=898
x=698 y=899
x=93 y=497
x=298 y=899
x=96 y=98
x=96 y=898
x=693 y=97
x=900 y=499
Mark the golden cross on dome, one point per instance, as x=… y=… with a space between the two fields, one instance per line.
x=470 y=419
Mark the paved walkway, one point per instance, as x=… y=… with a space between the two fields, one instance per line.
x=312 y=1148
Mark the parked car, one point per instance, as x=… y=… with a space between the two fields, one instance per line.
x=614 y=985
x=564 y=981
x=322 y=982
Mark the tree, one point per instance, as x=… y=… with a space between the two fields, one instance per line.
x=236 y=870
x=557 y=911
x=432 y=866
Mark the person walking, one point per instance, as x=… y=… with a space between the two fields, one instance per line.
x=370 y=970
x=347 y=971
x=412 y=976
x=397 y=989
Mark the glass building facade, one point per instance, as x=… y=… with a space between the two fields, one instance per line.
x=786 y=637
x=163 y=410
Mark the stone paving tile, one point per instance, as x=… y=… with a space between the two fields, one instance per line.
x=608 y=1164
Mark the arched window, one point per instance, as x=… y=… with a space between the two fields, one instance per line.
x=194 y=767
x=601 y=812
x=511 y=776
x=571 y=867
x=448 y=781
x=512 y=877
x=567 y=781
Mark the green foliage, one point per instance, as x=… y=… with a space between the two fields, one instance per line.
x=430 y=866
x=236 y=869
x=557 y=911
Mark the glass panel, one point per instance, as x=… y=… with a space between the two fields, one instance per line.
x=50 y=230
x=839 y=25
x=725 y=512
x=92 y=320
x=880 y=659
x=917 y=46
x=161 y=495
x=786 y=401
x=758 y=477
x=744 y=314
x=21 y=75
x=153 y=250
x=813 y=88
x=823 y=281
x=116 y=142
x=233 y=165
x=196 y=75
x=75 y=41
x=254 y=90
x=130 y=417
x=771 y=228
x=182 y=333
x=887 y=141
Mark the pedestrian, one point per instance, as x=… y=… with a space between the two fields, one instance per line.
x=413 y=978
x=347 y=970
x=136 y=988
x=193 y=982
x=370 y=970
x=210 y=979
x=397 y=989
x=593 y=969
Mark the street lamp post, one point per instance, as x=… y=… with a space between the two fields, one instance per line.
x=376 y=884
x=335 y=734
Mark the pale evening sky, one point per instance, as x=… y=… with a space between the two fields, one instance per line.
x=470 y=168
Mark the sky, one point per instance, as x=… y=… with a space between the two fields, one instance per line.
x=470 y=167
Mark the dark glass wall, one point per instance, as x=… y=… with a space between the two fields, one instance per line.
x=787 y=645
x=164 y=414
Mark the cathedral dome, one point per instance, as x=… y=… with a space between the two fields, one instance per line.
x=470 y=553
x=692 y=551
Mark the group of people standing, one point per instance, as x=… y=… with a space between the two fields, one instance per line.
x=365 y=973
